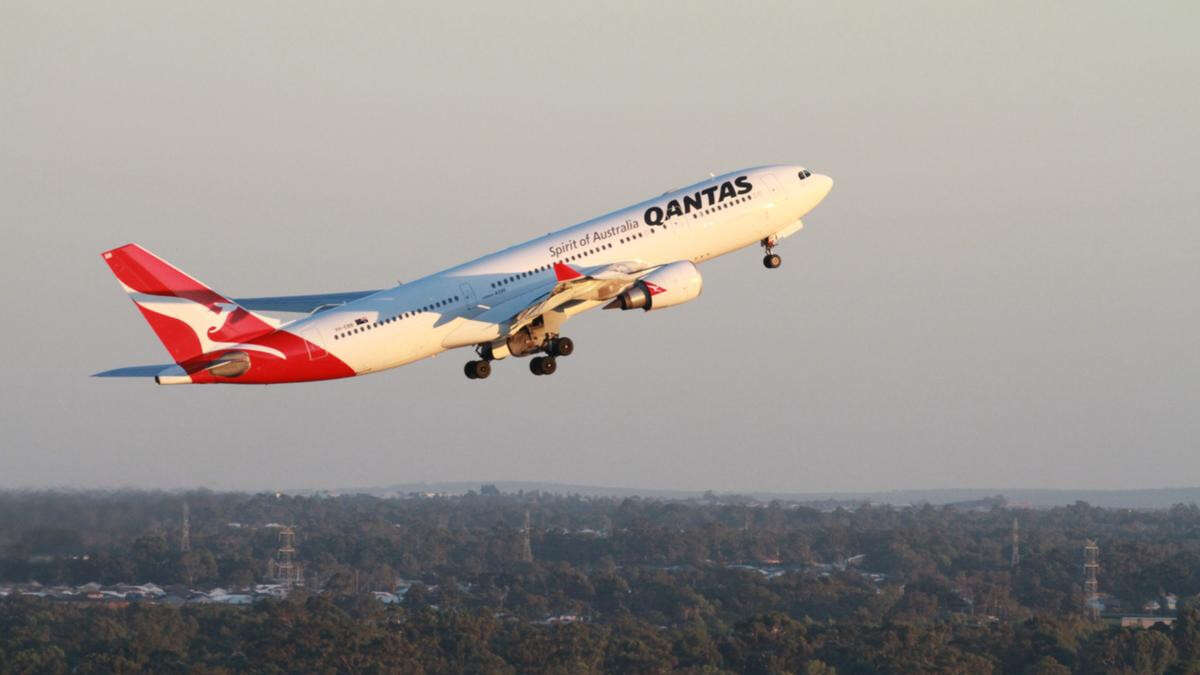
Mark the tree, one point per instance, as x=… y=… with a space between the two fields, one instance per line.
x=1048 y=665
x=1185 y=633
x=196 y=565
x=1126 y=650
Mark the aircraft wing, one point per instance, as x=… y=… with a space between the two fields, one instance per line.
x=571 y=286
x=304 y=304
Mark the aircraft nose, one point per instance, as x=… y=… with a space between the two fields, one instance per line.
x=824 y=184
x=813 y=189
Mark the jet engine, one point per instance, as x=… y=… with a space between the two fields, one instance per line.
x=669 y=285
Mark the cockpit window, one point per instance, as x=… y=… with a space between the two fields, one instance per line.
x=805 y=174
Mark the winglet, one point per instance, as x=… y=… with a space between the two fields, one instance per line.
x=564 y=272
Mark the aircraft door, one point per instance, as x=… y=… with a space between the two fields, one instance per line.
x=776 y=193
x=468 y=295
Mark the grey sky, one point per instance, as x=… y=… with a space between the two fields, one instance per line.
x=1001 y=290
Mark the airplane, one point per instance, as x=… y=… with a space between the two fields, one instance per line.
x=512 y=303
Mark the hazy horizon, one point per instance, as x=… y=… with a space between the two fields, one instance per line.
x=1000 y=289
x=973 y=498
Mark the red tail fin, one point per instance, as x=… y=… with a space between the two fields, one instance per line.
x=189 y=318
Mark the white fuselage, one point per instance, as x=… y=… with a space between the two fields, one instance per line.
x=424 y=317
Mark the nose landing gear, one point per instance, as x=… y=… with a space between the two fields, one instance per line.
x=771 y=260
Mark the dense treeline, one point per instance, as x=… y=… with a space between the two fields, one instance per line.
x=721 y=583
x=353 y=634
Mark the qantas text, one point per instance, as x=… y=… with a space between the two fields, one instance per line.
x=713 y=194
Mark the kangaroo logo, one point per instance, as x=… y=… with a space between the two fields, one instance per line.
x=224 y=330
x=653 y=288
x=231 y=321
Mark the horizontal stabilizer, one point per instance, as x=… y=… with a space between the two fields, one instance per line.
x=304 y=304
x=135 y=371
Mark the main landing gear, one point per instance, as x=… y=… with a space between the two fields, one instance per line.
x=543 y=365
x=538 y=365
x=771 y=260
x=562 y=346
x=477 y=370
x=546 y=365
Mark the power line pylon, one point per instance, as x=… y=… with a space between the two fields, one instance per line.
x=283 y=567
x=526 y=549
x=1016 y=545
x=185 y=532
x=1091 y=582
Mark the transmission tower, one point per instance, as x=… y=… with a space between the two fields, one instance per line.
x=526 y=550
x=283 y=567
x=185 y=532
x=1016 y=552
x=1091 y=584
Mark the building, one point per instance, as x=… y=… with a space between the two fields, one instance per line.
x=1141 y=621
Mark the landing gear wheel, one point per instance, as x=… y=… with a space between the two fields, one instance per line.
x=477 y=370
x=543 y=365
x=772 y=260
x=562 y=346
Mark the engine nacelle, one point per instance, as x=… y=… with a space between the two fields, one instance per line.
x=666 y=286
